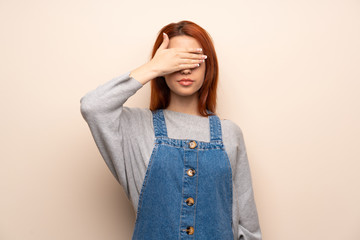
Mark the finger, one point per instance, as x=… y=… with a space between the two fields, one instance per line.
x=185 y=66
x=191 y=61
x=191 y=50
x=165 y=41
x=192 y=56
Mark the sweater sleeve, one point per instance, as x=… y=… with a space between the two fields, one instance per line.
x=248 y=225
x=101 y=108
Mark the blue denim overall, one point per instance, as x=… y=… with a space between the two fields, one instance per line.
x=187 y=189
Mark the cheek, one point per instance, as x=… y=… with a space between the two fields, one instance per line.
x=202 y=67
x=169 y=77
x=170 y=80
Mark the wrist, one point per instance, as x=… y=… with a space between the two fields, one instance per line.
x=152 y=69
x=144 y=73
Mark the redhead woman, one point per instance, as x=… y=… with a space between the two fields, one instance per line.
x=183 y=168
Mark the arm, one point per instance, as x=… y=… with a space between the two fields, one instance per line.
x=248 y=225
x=101 y=108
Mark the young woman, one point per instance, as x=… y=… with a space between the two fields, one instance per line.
x=185 y=171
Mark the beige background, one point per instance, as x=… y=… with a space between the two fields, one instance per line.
x=289 y=77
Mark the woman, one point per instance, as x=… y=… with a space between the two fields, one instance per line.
x=185 y=171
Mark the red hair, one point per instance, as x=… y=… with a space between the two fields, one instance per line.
x=160 y=92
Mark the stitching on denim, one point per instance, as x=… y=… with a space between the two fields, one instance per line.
x=219 y=128
x=230 y=181
x=159 y=123
x=182 y=193
x=163 y=122
x=200 y=149
x=197 y=183
x=183 y=143
x=215 y=129
x=155 y=123
x=155 y=149
x=212 y=132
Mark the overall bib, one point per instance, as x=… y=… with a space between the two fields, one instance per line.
x=187 y=189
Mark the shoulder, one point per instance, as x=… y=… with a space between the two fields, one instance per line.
x=233 y=136
x=233 y=140
x=230 y=129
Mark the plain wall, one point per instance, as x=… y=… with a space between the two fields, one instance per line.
x=289 y=77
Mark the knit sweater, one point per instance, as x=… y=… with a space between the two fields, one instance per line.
x=125 y=138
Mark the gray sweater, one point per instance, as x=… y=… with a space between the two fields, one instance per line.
x=125 y=138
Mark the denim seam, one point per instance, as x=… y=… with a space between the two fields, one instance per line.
x=187 y=140
x=230 y=183
x=215 y=129
x=155 y=149
x=160 y=124
x=183 y=143
x=197 y=184
x=182 y=194
x=200 y=149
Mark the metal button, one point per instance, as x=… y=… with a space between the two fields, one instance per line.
x=190 y=172
x=192 y=144
x=190 y=230
x=189 y=201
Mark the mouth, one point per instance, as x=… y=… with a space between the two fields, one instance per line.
x=185 y=81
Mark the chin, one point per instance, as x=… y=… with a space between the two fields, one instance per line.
x=185 y=94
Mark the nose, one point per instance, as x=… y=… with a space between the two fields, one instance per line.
x=185 y=71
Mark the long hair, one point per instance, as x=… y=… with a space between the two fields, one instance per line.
x=160 y=92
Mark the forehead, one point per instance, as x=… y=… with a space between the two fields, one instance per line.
x=184 y=42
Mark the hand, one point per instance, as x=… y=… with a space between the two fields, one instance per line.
x=167 y=60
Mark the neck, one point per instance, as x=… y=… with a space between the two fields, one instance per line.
x=188 y=104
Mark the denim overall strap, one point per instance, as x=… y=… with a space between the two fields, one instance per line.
x=215 y=128
x=159 y=123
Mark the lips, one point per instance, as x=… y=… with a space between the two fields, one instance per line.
x=186 y=81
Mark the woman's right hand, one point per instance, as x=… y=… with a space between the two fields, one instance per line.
x=168 y=60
